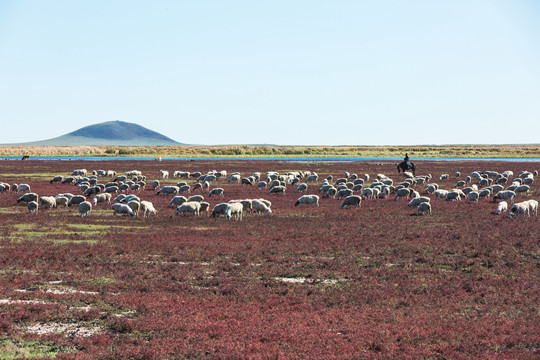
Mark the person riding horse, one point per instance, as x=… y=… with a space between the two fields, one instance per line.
x=406 y=159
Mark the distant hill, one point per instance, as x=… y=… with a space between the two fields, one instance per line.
x=119 y=133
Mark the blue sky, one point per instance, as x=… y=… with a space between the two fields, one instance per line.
x=278 y=72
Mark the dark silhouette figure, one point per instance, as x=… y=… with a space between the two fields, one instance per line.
x=406 y=164
x=25 y=157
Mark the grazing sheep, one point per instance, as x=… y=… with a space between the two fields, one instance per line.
x=417 y=201
x=23 y=188
x=219 y=209
x=85 y=208
x=424 y=208
x=402 y=193
x=458 y=174
x=277 y=190
x=430 y=189
x=262 y=185
x=122 y=209
x=519 y=208
x=473 y=196
x=192 y=207
x=147 y=208
x=197 y=186
x=522 y=189
x=215 y=192
x=260 y=207
x=57 y=179
x=32 y=207
x=505 y=195
x=301 y=188
x=184 y=188
x=164 y=174
x=196 y=198
x=92 y=191
x=307 y=200
x=177 y=201
x=501 y=180
x=76 y=200
x=135 y=206
x=247 y=181
x=440 y=194
x=353 y=200
x=130 y=198
x=460 y=184
x=28 y=197
x=444 y=177
x=234 y=209
x=502 y=207
x=533 y=206
x=102 y=198
x=408 y=175
x=484 y=193
x=495 y=189
x=415 y=194
x=235 y=178
x=368 y=193
x=453 y=196
x=344 y=193
x=312 y=178
x=206 y=185
x=61 y=200
x=528 y=181
x=155 y=185
x=168 y=190
x=14 y=187
x=47 y=202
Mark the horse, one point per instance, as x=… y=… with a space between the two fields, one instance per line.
x=404 y=166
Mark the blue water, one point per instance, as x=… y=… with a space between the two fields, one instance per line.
x=290 y=159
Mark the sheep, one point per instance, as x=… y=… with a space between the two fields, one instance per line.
x=48 y=202
x=219 y=209
x=57 y=179
x=440 y=194
x=262 y=185
x=458 y=174
x=204 y=207
x=277 y=190
x=164 y=174
x=85 y=208
x=415 y=194
x=167 y=190
x=528 y=181
x=302 y=188
x=76 y=200
x=209 y=178
x=402 y=193
x=23 y=188
x=177 y=201
x=424 y=208
x=260 y=207
x=196 y=198
x=307 y=200
x=61 y=200
x=183 y=188
x=444 y=177
x=495 y=189
x=484 y=193
x=368 y=193
x=344 y=193
x=130 y=198
x=453 y=196
x=247 y=181
x=235 y=178
x=460 y=184
x=147 y=208
x=32 y=207
x=102 y=198
x=81 y=172
x=234 y=209
x=92 y=191
x=473 y=196
x=353 y=200
x=122 y=209
x=417 y=201
x=246 y=204
x=502 y=207
x=216 y=191
x=430 y=189
x=192 y=207
x=408 y=175
x=181 y=174
x=505 y=195
x=155 y=185
x=519 y=208
x=533 y=206
x=135 y=206
x=4 y=187
x=312 y=178
x=28 y=197
x=522 y=189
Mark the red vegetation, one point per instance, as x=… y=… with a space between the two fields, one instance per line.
x=375 y=282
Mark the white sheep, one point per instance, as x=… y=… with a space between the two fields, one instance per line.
x=184 y=188
x=196 y=198
x=155 y=185
x=219 y=209
x=277 y=190
x=32 y=207
x=353 y=200
x=61 y=200
x=164 y=174
x=502 y=207
x=177 y=201
x=312 y=178
x=235 y=178
x=484 y=193
x=85 y=208
x=307 y=200
x=167 y=190
x=424 y=208
x=417 y=201
x=192 y=207
x=147 y=208
x=135 y=206
x=402 y=193
x=260 y=207
x=519 y=208
x=23 y=188
x=440 y=194
x=302 y=188
x=522 y=189
x=216 y=192
x=262 y=185
x=122 y=209
x=102 y=198
x=453 y=196
x=505 y=195
x=47 y=202
x=444 y=177
x=368 y=193
x=473 y=196
x=28 y=197
x=234 y=209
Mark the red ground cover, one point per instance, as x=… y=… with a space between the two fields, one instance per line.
x=307 y=282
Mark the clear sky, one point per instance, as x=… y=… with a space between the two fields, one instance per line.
x=277 y=72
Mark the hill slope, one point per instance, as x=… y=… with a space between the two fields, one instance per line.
x=117 y=132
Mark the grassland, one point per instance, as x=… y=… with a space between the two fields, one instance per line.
x=247 y=151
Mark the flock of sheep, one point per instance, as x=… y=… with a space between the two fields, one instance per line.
x=350 y=188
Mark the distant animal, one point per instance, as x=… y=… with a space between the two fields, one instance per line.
x=404 y=167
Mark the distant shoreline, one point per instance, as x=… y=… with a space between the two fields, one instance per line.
x=253 y=151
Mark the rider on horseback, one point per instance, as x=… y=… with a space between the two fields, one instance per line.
x=407 y=160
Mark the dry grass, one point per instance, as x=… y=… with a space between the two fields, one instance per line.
x=463 y=151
